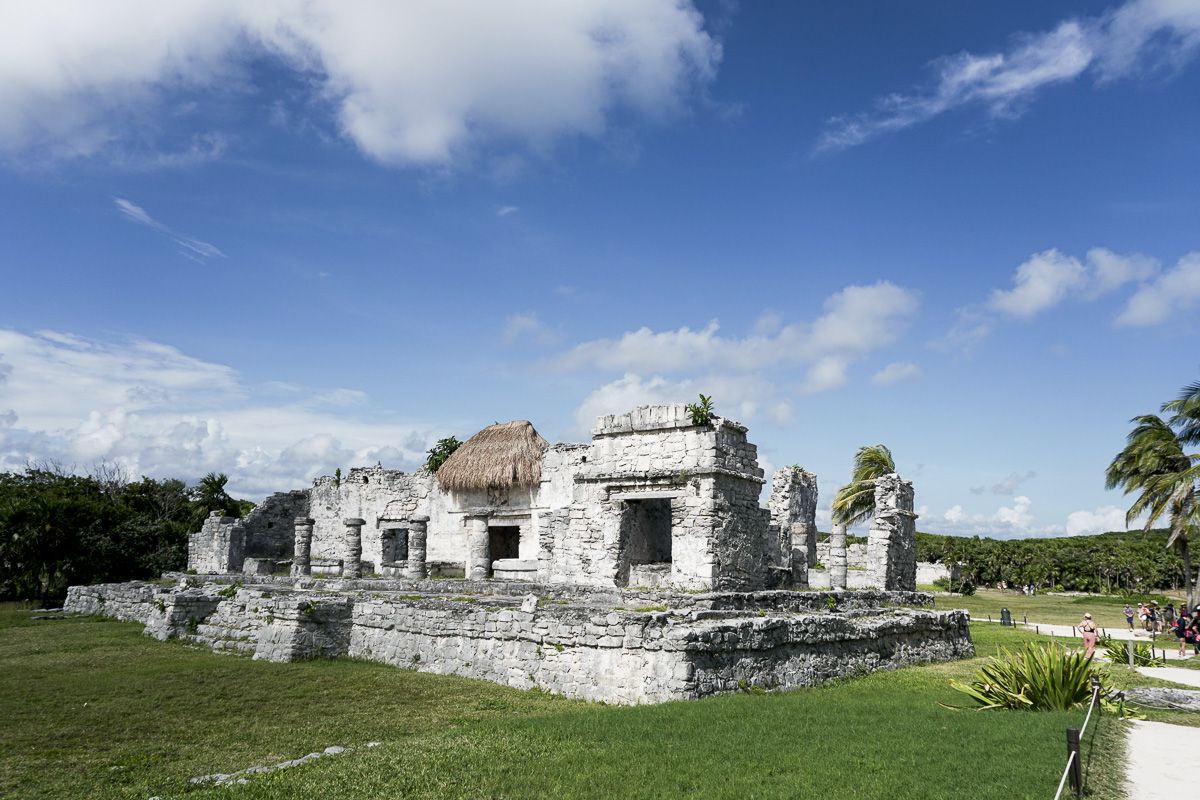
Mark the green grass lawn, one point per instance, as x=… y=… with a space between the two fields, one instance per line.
x=93 y=709
x=1105 y=610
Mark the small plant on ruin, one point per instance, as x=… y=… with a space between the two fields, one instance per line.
x=440 y=452
x=337 y=477
x=192 y=626
x=309 y=610
x=702 y=412
x=229 y=591
x=831 y=602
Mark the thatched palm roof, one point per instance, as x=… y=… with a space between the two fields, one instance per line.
x=500 y=455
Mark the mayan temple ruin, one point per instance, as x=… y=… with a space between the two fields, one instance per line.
x=638 y=568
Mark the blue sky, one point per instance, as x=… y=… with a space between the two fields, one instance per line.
x=276 y=241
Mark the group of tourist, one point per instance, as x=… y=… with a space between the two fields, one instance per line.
x=1182 y=624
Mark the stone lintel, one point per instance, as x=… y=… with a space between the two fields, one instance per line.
x=354 y=522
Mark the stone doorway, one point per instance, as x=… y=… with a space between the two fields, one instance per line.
x=646 y=531
x=504 y=541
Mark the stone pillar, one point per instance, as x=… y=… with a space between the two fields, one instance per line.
x=892 y=541
x=302 y=553
x=417 y=530
x=478 y=565
x=352 y=548
x=837 y=556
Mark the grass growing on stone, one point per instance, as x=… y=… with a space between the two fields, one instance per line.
x=94 y=709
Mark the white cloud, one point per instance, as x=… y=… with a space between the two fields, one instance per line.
x=527 y=326
x=857 y=320
x=895 y=372
x=1175 y=290
x=742 y=397
x=1017 y=515
x=954 y=515
x=1100 y=520
x=1041 y=283
x=192 y=248
x=160 y=412
x=1111 y=271
x=505 y=211
x=410 y=83
x=1139 y=36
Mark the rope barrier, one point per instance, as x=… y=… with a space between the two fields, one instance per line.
x=1071 y=757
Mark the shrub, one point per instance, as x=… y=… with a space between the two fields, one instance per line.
x=702 y=412
x=440 y=452
x=1038 y=678
x=1143 y=653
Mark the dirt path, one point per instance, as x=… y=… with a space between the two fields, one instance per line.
x=1153 y=746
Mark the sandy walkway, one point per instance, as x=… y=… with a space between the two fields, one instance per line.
x=1188 y=677
x=1153 y=746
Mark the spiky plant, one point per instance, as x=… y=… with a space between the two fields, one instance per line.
x=855 y=501
x=701 y=412
x=1041 y=677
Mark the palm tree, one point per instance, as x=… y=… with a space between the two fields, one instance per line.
x=1153 y=465
x=209 y=495
x=855 y=501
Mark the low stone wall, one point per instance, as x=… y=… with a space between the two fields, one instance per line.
x=618 y=646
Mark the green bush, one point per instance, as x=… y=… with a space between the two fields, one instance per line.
x=1038 y=678
x=701 y=412
x=1143 y=653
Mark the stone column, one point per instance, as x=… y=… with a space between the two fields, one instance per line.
x=302 y=554
x=837 y=556
x=352 y=548
x=417 y=529
x=478 y=564
x=892 y=541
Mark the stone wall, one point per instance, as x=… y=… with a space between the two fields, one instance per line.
x=269 y=528
x=576 y=645
x=793 y=507
x=219 y=546
x=892 y=541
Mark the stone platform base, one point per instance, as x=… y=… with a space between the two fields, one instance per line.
x=614 y=646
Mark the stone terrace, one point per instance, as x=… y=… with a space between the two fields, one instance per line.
x=612 y=645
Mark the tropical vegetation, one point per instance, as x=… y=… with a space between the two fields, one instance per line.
x=855 y=502
x=1039 y=677
x=441 y=451
x=58 y=529
x=701 y=412
x=1165 y=479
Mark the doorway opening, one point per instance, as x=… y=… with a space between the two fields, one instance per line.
x=504 y=541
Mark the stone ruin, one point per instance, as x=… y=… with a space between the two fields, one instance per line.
x=638 y=568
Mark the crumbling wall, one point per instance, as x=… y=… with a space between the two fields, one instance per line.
x=376 y=495
x=892 y=541
x=793 y=507
x=270 y=529
x=218 y=547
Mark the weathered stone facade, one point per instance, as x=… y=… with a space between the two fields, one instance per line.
x=793 y=507
x=570 y=640
x=892 y=541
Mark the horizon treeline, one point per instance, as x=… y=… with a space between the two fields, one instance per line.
x=59 y=529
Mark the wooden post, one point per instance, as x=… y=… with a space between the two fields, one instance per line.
x=1129 y=651
x=1075 y=772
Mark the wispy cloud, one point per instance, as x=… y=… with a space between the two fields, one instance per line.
x=1140 y=36
x=505 y=211
x=192 y=248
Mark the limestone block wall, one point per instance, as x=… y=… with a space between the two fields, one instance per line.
x=793 y=507
x=219 y=545
x=930 y=571
x=128 y=602
x=269 y=528
x=892 y=541
x=856 y=554
x=376 y=494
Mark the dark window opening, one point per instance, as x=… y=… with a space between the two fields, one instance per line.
x=647 y=525
x=395 y=544
x=504 y=541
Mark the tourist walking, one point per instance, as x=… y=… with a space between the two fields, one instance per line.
x=1129 y=616
x=1088 y=629
x=1181 y=629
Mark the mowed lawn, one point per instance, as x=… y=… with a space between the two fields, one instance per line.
x=92 y=708
x=1107 y=611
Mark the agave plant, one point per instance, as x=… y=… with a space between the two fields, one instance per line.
x=1143 y=653
x=1037 y=678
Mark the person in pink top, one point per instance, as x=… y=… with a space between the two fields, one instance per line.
x=1088 y=629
